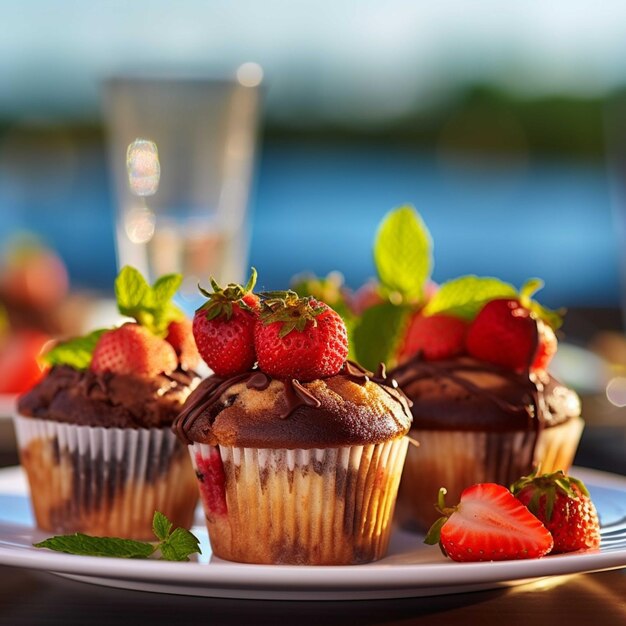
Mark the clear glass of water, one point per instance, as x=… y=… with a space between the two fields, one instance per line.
x=196 y=221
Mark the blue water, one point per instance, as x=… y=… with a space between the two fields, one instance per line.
x=317 y=208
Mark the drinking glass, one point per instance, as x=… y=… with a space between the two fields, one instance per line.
x=197 y=221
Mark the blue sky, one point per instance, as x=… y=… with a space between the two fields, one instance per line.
x=337 y=59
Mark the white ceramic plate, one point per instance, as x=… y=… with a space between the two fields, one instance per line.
x=411 y=568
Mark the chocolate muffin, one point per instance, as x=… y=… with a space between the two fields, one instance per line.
x=478 y=422
x=99 y=455
x=95 y=434
x=298 y=472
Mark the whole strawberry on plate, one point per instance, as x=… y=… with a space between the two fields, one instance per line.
x=488 y=524
x=223 y=327
x=100 y=420
x=564 y=506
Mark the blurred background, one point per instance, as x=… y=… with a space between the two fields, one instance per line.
x=500 y=124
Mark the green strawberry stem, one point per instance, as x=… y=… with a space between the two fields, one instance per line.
x=292 y=311
x=220 y=301
x=547 y=485
x=433 y=536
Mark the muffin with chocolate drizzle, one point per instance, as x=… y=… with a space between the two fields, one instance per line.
x=95 y=434
x=299 y=456
x=488 y=410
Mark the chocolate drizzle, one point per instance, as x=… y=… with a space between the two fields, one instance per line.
x=358 y=374
x=208 y=399
x=534 y=405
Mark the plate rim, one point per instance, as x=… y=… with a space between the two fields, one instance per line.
x=382 y=576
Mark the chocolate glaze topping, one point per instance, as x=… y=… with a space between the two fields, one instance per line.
x=254 y=410
x=467 y=394
x=106 y=399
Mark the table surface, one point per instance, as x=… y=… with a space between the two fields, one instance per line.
x=28 y=597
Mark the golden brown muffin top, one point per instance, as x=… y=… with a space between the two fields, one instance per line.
x=254 y=410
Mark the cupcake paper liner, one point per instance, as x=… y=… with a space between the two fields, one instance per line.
x=330 y=506
x=104 y=481
x=457 y=459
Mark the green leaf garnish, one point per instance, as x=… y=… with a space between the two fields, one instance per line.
x=149 y=306
x=86 y=545
x=173 y=546
x=465 y=296
x=74 y=352
x=378 y=333
x=550 y=317
x=179 y=545
x=403 y=253
x=161 y=526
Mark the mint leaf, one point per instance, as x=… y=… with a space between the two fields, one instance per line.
x=179 y=545
x=403 y=253
x=161 y=526
x=74 y=352
x=465 y=296
x=98 y=546
x=132 y=292
x=176 y=546
x=165 y=288
x=378 y=333
x=149 y=306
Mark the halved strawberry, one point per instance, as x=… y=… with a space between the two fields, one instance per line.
x=488 y=524
x=133 y=349
x=563 y=504
x=223 y=327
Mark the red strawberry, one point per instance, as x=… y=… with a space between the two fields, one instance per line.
x=504 y=333
x=211 y=480
x=133 y=349
x=223 y=327
x=563 y=504
x=19 y=365
x=489 y=524
x=547 y=347
x=436 y=337
x=180 y=337
x=516 y=333
x=299 y=338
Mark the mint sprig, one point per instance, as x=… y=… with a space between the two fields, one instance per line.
x=403 y=254
x=86 y=545
x=150 y=306
x=74 y=352
x=464 y=296
x=172 y=546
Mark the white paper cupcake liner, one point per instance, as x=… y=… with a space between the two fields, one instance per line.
x=104 y=481
x=328 y=506
x=457 y=459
